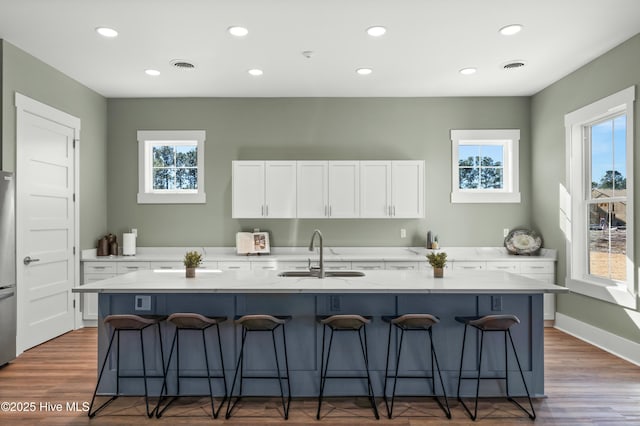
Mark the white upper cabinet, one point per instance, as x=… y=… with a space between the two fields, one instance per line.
x=392 y=189
x=264 y=189
x=407 y=189
x=313 y=189
x=328 y=189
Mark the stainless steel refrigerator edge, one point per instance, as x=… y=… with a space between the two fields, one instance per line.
x=7 y=268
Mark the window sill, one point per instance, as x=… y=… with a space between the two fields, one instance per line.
x=618 y=295
x=146 y=198
x=484 y=197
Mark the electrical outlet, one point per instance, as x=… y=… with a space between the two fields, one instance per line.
x=505 y=232
x=334 y=303
x=142 y=303
x=403 y=233
x=496 y=303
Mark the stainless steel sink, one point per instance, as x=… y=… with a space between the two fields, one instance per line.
x=326 y=274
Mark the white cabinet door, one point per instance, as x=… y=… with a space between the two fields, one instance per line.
x=312 y=193
x=402 y=266
x=407 y=189
x=344 y=189
x=375 y=189
x=90 y=300
x=264 y=189
x=247 y=189
x=280 y=189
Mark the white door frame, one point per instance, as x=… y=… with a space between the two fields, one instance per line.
x=24 y=105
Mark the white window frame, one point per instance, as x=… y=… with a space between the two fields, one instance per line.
x=578 y=179
x=509 y=139
x=146 y=140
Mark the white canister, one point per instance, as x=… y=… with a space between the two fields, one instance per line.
x=128 y=244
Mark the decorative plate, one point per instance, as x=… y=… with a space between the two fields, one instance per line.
x=523 y=241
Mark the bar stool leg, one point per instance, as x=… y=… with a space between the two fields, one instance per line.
x=473 y=415
x=286 y=366
x=104 y=364
x=166 y=371
x=206 y=361
x=532 y=414
x=434 y=358
x=235 y=376
x=325 y=364
x=275 y=352
x=386 y=372
x=224 y=376
x=144 y=372
x=365 y=353
x=464 y=340
x=395 y=378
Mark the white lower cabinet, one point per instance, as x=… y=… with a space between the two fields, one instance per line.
x=402 y=266
x=234 y=266
x=367 y=266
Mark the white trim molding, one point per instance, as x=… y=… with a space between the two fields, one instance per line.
x=607 y=341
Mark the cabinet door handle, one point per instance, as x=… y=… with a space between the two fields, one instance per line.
x=267 y=210
x=166 y=267
x=329 y=210
x=133 y=267
x=389 y=209
x=402 y=267
x=233 y=267
x=537 y=267
x=98 y=267
x=262 y=210
x=325 y=210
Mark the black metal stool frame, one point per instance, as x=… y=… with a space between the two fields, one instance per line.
x=176 y=344
x=324 y=365
x=474 y=415
x=280 y=377
x=115 y=332
x=434 y=363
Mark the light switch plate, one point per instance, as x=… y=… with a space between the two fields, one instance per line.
x=142 y=303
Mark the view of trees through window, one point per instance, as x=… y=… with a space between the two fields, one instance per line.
x=175 y=167
x=481 y=166
x=608 y=202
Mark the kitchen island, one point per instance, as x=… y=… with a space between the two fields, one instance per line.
x=232 y=293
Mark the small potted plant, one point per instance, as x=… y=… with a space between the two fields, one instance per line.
x=192 y=260
x=437 y=261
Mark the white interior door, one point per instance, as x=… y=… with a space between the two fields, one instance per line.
x=46 y=221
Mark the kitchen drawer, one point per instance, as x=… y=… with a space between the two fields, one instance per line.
x=469 y=266
x=504 y=266
x=126 y=267
x=367 y=266
x=536 y=267
x=166 y=265
x=333 y=266
x=99 y=267
x=402 y=266
x=234 y=266
x=425 y=266
x=270 y=265
x=208 y=264
x=293 y=266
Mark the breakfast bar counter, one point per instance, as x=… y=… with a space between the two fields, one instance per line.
x=377 y=293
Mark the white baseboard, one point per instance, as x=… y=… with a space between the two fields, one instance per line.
x=612 y=343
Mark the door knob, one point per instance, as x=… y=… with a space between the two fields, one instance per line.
x=27 y=260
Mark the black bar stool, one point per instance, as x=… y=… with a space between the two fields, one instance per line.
x=193 y=322
x=262 y=323
x=128 y=323
x=345 y=323
x=492 y=323
x=419 y=323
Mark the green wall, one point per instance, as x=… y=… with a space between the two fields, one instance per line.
x=614 y=71
x=311 y=129
x=25 y=74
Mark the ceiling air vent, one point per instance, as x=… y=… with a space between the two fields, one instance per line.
x=183 y=65
x=513 y=65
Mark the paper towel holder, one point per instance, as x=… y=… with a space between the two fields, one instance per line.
x=129 y=244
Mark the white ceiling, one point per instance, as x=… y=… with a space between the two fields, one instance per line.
x=427 y=43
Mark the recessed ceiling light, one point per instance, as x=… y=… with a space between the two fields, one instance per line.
x=107 y=32
x=376 y=31
x=510 y=29
x=364 y=71
x=152 y=72
x=468 y=71
x=255 y=72
x=238 y=31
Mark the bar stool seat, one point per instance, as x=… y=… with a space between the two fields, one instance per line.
x=128 y=323
x=419 y=323
x=492 y=323
x=262 y=323
x=191 y=321
x=345 y=323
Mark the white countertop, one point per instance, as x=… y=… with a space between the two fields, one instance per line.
x=209 y=281
x=301 y=254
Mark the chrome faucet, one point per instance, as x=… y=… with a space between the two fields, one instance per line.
x=317 y=270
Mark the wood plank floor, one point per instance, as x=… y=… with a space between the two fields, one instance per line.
x=585 y=386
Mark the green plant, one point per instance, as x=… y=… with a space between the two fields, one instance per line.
x=192 y=259
x=437 y=260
